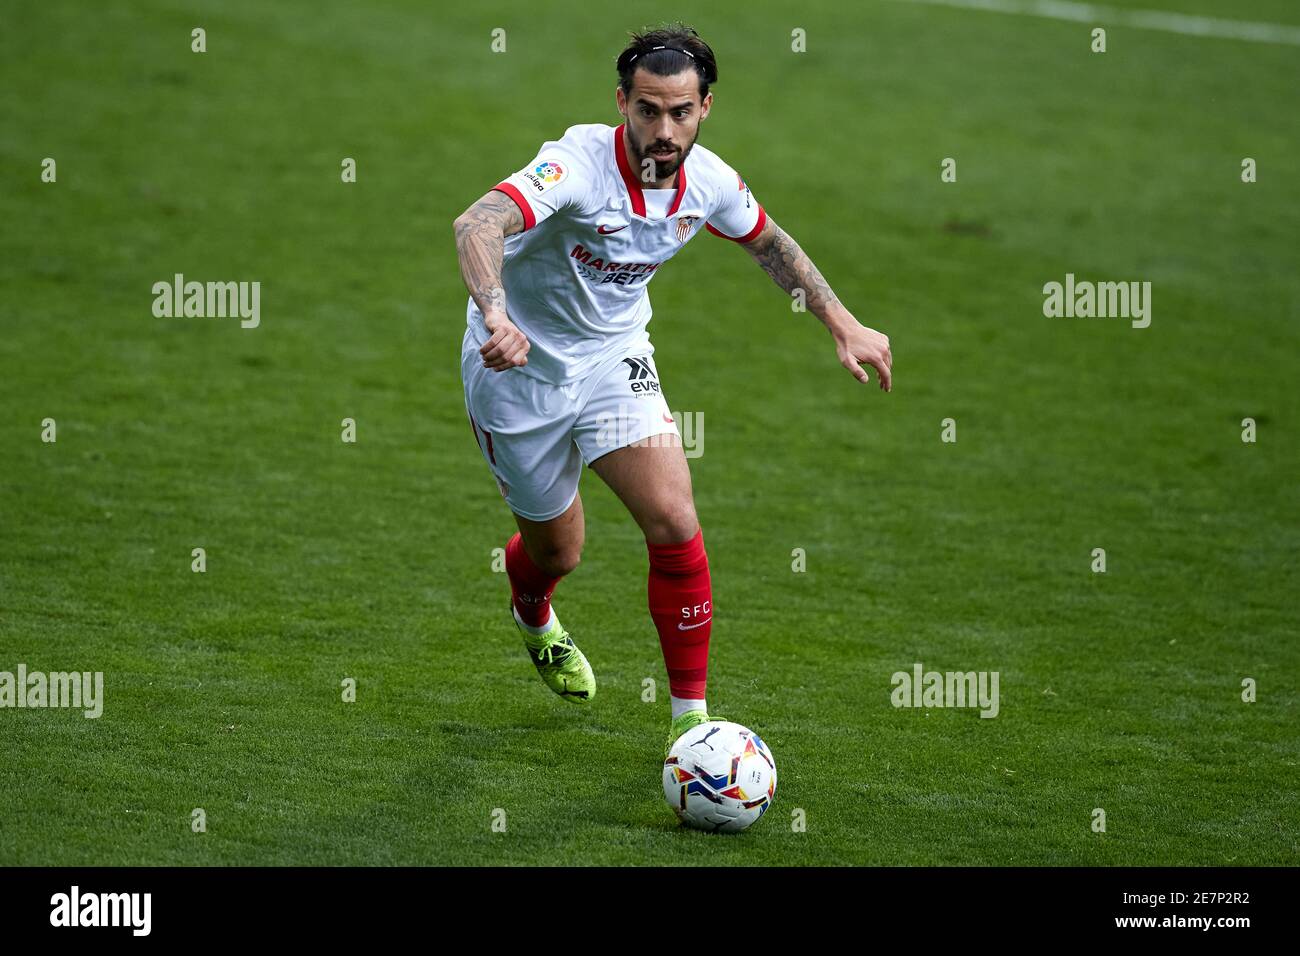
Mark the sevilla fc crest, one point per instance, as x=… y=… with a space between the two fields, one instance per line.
x=684 y=226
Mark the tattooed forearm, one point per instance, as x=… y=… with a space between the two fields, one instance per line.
x=790 y=267
x=480 y=243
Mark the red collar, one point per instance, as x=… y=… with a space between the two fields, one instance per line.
x=633 y=184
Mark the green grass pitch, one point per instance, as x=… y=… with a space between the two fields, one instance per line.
x=1119 y=690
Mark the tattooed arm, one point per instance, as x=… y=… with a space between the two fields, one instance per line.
x=791 y=269
x=481 y=232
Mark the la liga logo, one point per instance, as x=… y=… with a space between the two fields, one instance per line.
x=544 y=175
x=549 y=173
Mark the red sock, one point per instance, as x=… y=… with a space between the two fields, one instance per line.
x=681 y=603
x=530 y=587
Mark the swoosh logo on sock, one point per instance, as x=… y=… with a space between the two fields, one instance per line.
x=691 y=627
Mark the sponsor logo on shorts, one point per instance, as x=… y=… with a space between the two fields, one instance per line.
x=642 y=379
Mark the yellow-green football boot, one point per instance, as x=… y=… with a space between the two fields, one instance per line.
x=558 y=660
x=683 y=723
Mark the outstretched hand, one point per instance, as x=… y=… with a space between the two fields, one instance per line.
x=857 y=344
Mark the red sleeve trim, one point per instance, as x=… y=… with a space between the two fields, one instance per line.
x=747 y=237
x=529 y=219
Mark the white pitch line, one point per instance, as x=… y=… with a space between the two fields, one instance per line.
x=1183 y=23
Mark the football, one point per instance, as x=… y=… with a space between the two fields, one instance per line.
x=719 y=776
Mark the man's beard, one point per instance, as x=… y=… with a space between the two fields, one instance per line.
x=663 y=168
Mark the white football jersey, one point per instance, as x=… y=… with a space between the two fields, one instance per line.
x=575 y=279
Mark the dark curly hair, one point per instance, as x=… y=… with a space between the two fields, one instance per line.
x=682 y=49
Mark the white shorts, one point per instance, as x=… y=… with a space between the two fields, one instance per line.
x=536 y=437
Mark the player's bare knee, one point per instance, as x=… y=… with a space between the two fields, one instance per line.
x=558 y=561
x=671 y=524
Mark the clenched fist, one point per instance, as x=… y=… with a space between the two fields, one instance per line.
x=506 y=347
